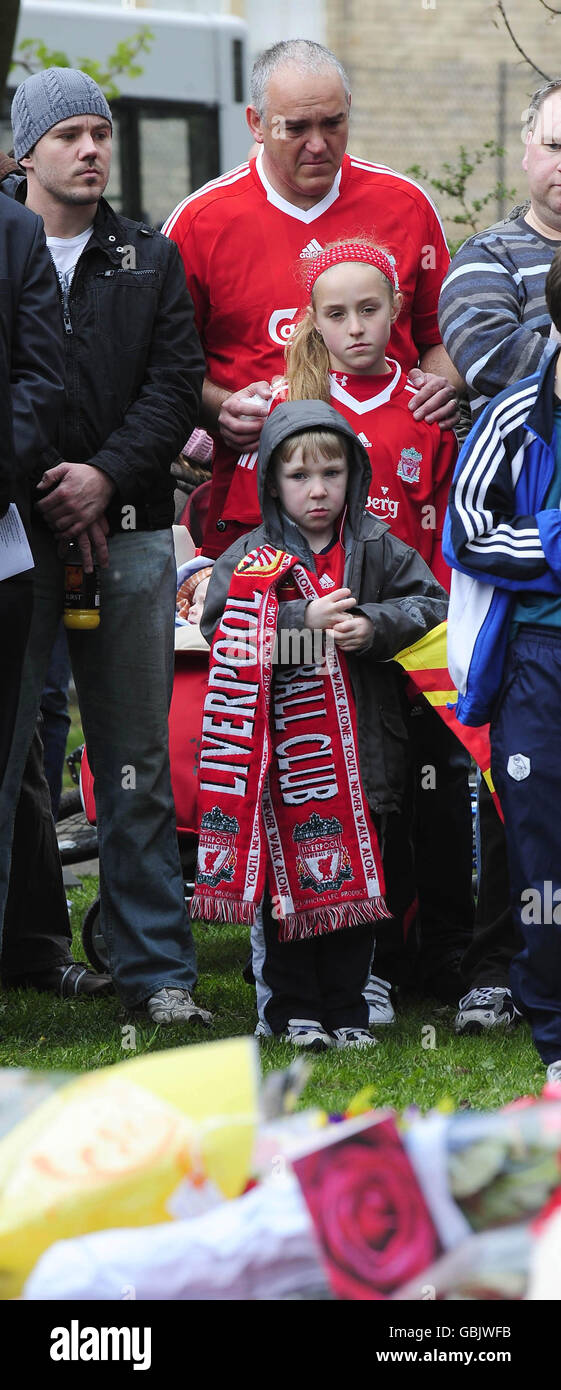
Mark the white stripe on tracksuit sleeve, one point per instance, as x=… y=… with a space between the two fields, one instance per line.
x=486 y=534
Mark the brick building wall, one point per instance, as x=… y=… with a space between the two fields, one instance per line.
x=429 y=75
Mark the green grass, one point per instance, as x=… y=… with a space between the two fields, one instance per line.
x=37 y=1030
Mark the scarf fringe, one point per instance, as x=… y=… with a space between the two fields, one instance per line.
x=319 y=921
x=225 y=911
x=313 y=922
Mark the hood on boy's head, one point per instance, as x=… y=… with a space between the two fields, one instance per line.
x=293 y=418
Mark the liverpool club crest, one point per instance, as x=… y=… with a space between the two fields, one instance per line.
x=217 y=853
x=409 y=466
x=323 y=862
x=264 y=561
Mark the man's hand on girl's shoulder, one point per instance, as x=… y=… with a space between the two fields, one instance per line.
x=435 y=400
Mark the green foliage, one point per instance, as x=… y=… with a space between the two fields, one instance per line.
x=453 y=184
x=33 y=56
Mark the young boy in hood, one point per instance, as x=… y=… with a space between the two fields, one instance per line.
x=303 y=757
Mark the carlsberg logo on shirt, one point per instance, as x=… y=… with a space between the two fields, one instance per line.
x=280 y=326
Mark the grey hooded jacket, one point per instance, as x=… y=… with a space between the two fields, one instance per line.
x=392 y=584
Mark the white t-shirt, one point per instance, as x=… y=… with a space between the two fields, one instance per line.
x=66 y=252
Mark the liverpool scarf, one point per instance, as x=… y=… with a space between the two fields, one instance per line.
x=281 y=799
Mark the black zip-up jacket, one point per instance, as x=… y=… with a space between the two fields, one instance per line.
x=31 y=365
x=392 y=584
x=133 y=365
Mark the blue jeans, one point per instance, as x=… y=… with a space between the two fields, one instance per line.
x=123 y=672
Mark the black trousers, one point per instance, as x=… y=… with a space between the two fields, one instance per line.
x=496 y=938
x=526 y=767
x=16 y=607
x=428 y=852
x=443 y=840
x=36 y=932
x=321 y=978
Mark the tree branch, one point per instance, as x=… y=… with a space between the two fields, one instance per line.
x=549 y=7
x=528 y=60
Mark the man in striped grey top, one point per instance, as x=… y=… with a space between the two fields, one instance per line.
x=492 y=312
x=495 y=326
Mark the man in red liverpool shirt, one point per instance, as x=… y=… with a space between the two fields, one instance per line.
x=244 y=236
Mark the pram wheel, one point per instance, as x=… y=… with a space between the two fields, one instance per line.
x=93 y=941
x=70 y=804
x=77 y=839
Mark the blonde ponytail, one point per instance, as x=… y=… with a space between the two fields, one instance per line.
x=307 y=364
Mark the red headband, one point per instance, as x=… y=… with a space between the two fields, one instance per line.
x=352 y=251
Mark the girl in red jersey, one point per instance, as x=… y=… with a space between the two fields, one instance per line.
x=338 y=354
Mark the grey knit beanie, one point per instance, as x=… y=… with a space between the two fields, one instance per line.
x=51 y=96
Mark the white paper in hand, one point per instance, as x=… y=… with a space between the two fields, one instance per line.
x=15 y=555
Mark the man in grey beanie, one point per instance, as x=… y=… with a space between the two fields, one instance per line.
x=133 y=376
x=46 y=111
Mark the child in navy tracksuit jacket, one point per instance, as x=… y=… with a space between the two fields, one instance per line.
x=503 y=535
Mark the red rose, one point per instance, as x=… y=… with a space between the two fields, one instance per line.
x=369 y=1213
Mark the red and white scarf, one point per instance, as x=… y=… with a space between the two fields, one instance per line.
x=280 y=793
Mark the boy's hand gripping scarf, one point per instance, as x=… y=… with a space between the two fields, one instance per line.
x=280 y=790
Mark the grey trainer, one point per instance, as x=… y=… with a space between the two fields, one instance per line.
x=171 y=1005
x=484 y=1008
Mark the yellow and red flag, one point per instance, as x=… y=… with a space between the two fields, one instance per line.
x=425 y=663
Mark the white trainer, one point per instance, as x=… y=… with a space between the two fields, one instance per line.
x=553 y=1072
x=353 y=1037
x=171 y=1005
x=378 y=998
x=308 y=1034
x=262 y=1030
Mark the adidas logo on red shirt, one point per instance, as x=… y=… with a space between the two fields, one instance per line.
x=312 y=249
